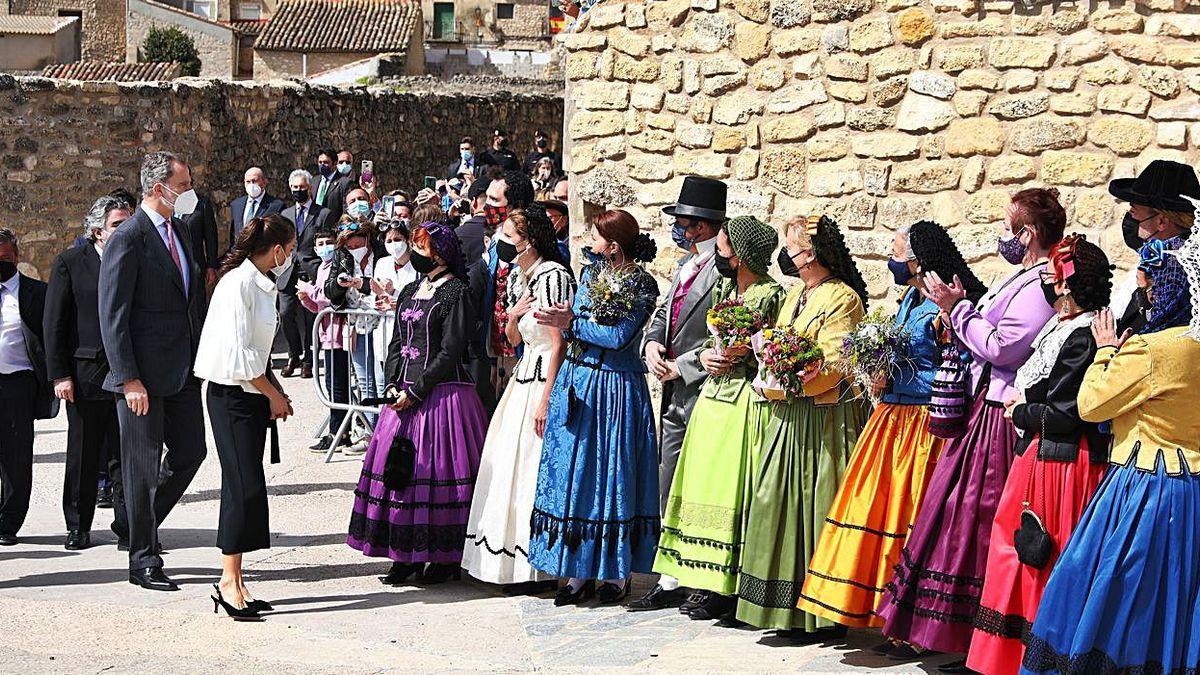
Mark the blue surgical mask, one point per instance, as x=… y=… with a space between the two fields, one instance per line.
x=325 y=251
x=343 y=168
x=359 y=209
x=466 y=155
x=447 y=202
x=679 y=236
x=900 y=272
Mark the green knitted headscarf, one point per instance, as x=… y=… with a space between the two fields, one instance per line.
x=753 y=242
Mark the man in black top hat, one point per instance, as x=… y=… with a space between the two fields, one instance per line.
x=675 y=337
x=1157 y=210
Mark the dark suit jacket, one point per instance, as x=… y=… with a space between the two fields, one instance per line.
x=202 y=223
x=32 y=300
x=149 y=325
x=504 y=158
x=74 y=347
x=471 y=234
x=306 y=259
x=267 y=205
x=335 y=197
x=477 y=168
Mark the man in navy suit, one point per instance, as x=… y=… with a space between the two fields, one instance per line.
x=256 y=204
x=309 y=217
x=152 y=301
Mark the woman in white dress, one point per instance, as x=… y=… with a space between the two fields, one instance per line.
x=498 y=529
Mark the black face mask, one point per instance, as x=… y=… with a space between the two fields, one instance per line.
x=423 y=264
x=786 y=264
x=541 y=143
x=507 y=251
x=724 y=267
x=1129 y=230
x=1050 y=293
x=7 y=270
x=300 y=196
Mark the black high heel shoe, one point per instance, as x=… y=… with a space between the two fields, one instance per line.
x=260 y=606
x=585 y=592
x=399 y=573
x=438 y=574
x=610 y=594
x=243 y=614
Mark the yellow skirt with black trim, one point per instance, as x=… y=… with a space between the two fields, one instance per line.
x=871 y=516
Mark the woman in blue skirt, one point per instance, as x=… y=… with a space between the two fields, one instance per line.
x=1125 y=595
x=595 y=514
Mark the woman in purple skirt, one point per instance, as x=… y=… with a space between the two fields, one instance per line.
x=414 y=496
x=932 y=601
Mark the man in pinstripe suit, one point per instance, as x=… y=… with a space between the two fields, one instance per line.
x=152 y=298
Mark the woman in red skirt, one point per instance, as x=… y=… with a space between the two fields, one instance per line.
x=1060 y=458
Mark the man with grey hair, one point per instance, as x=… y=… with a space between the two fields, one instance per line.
x=76 y=365
x=309 y=217
x=152 y=301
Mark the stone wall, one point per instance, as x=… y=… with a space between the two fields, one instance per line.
x=67 y=142
x=879 y=112
x=217 y=44
x=103 y=29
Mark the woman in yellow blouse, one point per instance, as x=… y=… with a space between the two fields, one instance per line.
x=807 y=440
x=1125 y=595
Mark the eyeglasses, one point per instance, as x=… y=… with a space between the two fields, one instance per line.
x=396 y=224
x=348 y=227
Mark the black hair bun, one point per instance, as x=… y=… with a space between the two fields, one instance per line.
x=1091 y=285
x=643 y=248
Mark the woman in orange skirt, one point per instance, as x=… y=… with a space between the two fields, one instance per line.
x=1060 y=459
x=885 y=480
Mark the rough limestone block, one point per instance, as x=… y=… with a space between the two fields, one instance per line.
x=754 y=10
x=896 y=212
x=868 y=35
x=926 y=177
x=847 y=67
x=836 y=38
x=975 y=136
x=728 y=140
x=1106 y=72
x=785 y=168
x=790 y=13
x=1162 y=82
x=745 y=166
x=767 y=76
x=797 y=41
x=828 y=146
x=914 y=26
x=647 y=97
x=889 y=93
x=1021 y=106
x=970 y=103
x=1011 y=169
x=753 y=41
x=1117 y=21
x=924 y=113
x=833 y=179
x=830 y=11
x=629 y=43
x=972 y=175
x=707 y=33
x=1125 y=136
x=654 y=140
x=586 y=124
x=797 y=96
x=1131 y=100
x=596 y=95
x=936 y=85
x=1074 y=103
x=893 y=61
x=635 y=16
x=1061 y=80
x=1076 y=168
x=992 y=26
x=1082 y=48
x=979 y=79
x=789 y=128
x=1172 y=135
x=887 y=146
x=1184 y=110
x=956 y=58
x=1020 y=52
x=732 y=110
x=1037 y=135
x=829 y=115
x=695 y=136
x=870 y=119
x=606 y=15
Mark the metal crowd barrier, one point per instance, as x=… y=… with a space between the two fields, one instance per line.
x=354 y=408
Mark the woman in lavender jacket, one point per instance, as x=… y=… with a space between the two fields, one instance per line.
x=932 y=601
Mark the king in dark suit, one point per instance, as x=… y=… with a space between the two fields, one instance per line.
x=256 y=204
x=152 y=301
x=24 y=389
x=76 y=365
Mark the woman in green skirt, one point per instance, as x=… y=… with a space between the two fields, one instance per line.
x=807 y=440
x=702 y=529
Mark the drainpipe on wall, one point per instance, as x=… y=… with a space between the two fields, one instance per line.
x=304 y=65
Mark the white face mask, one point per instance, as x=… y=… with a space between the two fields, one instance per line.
x=185 y=203
x=359 y=253
x=254 y=190
x=282 y=269
x=397 y=248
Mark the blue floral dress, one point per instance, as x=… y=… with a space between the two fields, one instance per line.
x=596 y=514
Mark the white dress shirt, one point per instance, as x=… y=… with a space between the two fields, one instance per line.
x=235 y=346
x=385 y=268
x=160 y=224
x=704 y=252
x=14 y=356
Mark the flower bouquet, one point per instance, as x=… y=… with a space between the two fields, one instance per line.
x=871 y=352
x=617 y=292
x=784 y=356
x=732 y=324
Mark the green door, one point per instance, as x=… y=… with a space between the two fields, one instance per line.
x=443 y=21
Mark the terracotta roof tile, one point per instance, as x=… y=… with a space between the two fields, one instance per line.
x=370 y=26
x=247 y=26
x=115 y=72
x=24 y=24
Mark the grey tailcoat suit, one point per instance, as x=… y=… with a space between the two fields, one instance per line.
x=685 y=341
x=150 y=326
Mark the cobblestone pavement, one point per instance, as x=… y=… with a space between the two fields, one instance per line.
x=66 y=611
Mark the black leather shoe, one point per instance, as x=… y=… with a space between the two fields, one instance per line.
x=611 y=594
x=730 y=620
x=104 y=498
x=959 y=666
x=693 y=601
x=566 y=597
x=656 y=598
x=7 y=539
x=323 y=444
x=289 y=369
x=437 y=573
x=817 y=636
x=260 y=606
x=77 y=540
x=152 y=579
x=713 y=608
x=399 y=573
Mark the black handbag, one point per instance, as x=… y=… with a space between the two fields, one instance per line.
x=1033 y=543
x=401 y=459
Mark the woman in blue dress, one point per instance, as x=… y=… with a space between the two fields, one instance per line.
x=596 y=510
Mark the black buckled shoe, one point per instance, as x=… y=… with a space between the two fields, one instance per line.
x=714 y=607
x=611 y=594
x=77 y=540
x=400 y=572
x=104 y=498
x=693 y=601
x=152 y=579
x=656 y=598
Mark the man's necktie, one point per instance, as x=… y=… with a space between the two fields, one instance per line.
x=174 y=251
x=251 y=207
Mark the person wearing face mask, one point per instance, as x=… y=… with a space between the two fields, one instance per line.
x=500 y=154
x=542 y=149
x=498 y=528
x=393 y=272
x=1060 y=458
x=76 y=365
x=359 y=205
x=466 y=162
x=341 y=181
x=331 y=334
x=1158 y=210
x=806 y=440
x=25 y=392
x=413 y=498
x=473 y=231
x=244 y=397
x=309 y=217
x=589 y=530
x=349 y=281
x=1122 y=596
x=882 y=486
x=152 y=304
x=543 y=175
x=560 y=218
x=933 y=599
x=256 y=203
x=718 y=462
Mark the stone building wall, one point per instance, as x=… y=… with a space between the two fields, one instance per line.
x=879 y=112
x=103 y=30
x=216 y=44
x=65 y=143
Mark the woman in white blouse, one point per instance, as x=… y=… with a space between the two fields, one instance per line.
x=244 y=397
x=392 y=273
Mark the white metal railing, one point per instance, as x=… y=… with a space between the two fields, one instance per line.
x=354 y=407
